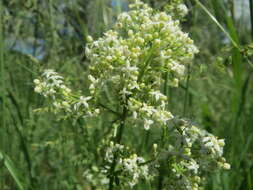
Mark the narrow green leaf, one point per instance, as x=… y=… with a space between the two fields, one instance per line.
x=10 y=167
x=217 y=23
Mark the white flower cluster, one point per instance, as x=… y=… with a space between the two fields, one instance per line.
x=112 y=150
x=51 y=85
x=95 y=177
x=149 y=114
x=132 y=167
x=143 y=45
x=193 y=154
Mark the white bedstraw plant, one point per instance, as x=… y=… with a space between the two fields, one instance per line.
x=126 y=72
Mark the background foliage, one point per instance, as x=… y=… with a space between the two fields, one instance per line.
x=39 y=152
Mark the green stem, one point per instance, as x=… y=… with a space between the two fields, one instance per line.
x=251 y=16
x=2 y=67
x=25 y=151
x=242 y=100
x=232 y=9
x=144 y=68
x=146 y=63
x=218 y=24
x=117 y=140
x=2 y=75
x=187 y=90
x=165 y=86
x=162 y=166
x=160 y=178
x=121 y=128
x=109 y=109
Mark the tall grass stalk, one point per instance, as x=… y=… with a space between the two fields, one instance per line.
x=2 y=74
x=217 y=23
x=3 y=98
x=251 y=16
x=10 y=167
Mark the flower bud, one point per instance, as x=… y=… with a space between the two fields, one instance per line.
x=89 y=39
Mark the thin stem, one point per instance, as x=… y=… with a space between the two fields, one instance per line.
x=232 y=9
x=146 y=64
x=161 y=168
x=242 y=100
x=2 y=61
x=251 y=16
x=122 y=124
x=218 y=24
x=117 y=140
x=144 y=142
x=109 y=109
x=25 y=151
x=187 y=90
x=35 y=32
x=2 y=75
x=2 y=67
x=165 y=86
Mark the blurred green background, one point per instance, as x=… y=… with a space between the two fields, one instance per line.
x=39 y=152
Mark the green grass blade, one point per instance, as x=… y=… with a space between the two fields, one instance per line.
x=217 y=23
x=2 y=88
x=251 y=16
x=10 y=167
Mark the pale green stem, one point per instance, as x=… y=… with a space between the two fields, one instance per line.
x=218 y=24
x=2 y=92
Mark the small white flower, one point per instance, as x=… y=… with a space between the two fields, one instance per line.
x=135 y=115
x=148 y=110
x=227 y=166
x=130 y=32
x=192 y=165
x=92 y=79
x=179 y=69
x=36 y=81
x=89 y=39
x=124 y=92
x=83 y=101
x=158 y=95
x=38 y=89
x=183 y=9
x=147 y=123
